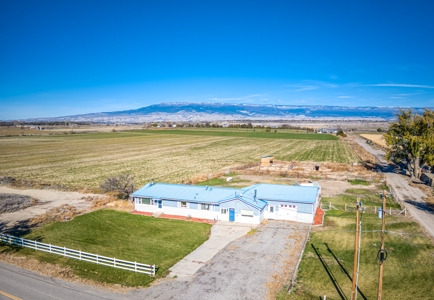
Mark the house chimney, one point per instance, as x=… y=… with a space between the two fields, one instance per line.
x=152 y=181
x=254 y=197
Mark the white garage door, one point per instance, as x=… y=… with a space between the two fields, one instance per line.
x=287 y=212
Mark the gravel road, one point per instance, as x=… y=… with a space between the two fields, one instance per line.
x=411 y=197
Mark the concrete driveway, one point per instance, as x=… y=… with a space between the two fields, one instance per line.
x=255 y=266
x=222 y=233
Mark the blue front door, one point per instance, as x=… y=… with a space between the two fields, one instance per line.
x=160 y=203
x=231 y=214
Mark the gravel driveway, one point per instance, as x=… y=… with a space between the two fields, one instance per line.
x=255 y=266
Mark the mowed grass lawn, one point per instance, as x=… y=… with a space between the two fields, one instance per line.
x=327 y=264
x=85 y=160
x=121 y=235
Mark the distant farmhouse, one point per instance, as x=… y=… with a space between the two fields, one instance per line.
x=247 y=205
x=327 y=130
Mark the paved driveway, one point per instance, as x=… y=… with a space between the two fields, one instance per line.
x=255 y=266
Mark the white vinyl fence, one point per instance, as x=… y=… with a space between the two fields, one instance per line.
x=80 y=255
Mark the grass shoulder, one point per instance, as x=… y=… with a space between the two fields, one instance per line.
x=327 y=264
x=148 y=240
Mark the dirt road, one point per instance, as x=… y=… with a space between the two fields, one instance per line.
x=411 y=197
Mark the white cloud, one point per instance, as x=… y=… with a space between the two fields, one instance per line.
x=303 y=88
x=345 y=97
x=237 y=98
x=403 y=85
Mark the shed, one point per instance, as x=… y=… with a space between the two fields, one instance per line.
x=267 y=161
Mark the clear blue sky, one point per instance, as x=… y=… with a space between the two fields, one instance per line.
x=71 y=57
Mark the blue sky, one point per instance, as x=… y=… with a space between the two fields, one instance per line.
x=71 y=57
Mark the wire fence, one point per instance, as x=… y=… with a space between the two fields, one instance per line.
x=351 y=207
x=80 y=255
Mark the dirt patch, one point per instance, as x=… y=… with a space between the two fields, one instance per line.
x=14 y=202
x=50 y=203
x=62 y=213
x=313 y=170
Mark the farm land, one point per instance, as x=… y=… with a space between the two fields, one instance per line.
x=84 y=161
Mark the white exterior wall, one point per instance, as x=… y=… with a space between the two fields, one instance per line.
x=146 y=207
x=249 y=220
x=197 y=213
x=305 y=218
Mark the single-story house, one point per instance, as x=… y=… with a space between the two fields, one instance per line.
x=246 y=205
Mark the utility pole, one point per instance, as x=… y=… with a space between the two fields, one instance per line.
x=382 y=253
x=356 y=253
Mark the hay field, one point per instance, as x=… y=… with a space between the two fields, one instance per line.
x=376 y=139
x=85 y=160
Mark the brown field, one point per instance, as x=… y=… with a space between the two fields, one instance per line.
x=377 y=139
x=85 y=160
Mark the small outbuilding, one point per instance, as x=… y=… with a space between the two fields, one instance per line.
x=267 y=161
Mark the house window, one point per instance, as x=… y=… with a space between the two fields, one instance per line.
x=223 y=211
x=205 y=206
x=147 y=201
x=183 y=204
x=247 y=213
x=271 y=209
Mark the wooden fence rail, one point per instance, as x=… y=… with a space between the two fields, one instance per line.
x=80 y=255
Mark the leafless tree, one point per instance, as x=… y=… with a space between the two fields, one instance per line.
x=123 y=184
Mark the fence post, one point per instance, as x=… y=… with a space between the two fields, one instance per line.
x=135 y=266
x=64 y=251
x=22 y=242
x=114 y=262
x=79 y=254
x=330 y=205
x=50 y=248
x=36 y=246
x=97 y=258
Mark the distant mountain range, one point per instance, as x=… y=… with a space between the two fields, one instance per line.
x=199 y=112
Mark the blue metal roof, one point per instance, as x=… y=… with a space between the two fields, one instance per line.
x=190 y=193
x=214 y=195
x=289 y=193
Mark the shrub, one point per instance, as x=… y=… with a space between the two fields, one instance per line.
x=123 y=184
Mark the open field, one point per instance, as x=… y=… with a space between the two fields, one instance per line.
x=85 y=160
x=408 y=270
x=376 y=139
x=251 y=133
x=122 y=235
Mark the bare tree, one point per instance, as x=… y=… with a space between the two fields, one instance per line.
x=123 y=184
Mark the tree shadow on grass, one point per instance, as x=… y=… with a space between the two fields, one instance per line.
x=343 y=269
x=426 y=207
x=17 y=229
x=330 y=274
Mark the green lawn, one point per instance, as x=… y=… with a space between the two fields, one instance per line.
x=257 y=133
x=121 y=235
x=327 y=264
